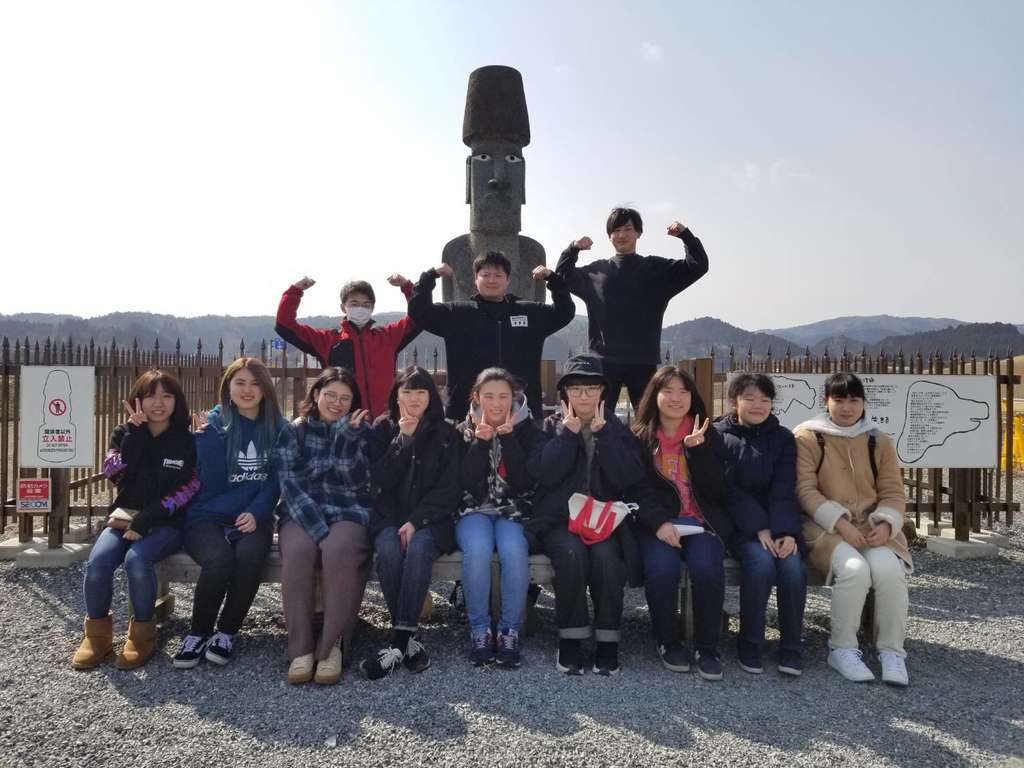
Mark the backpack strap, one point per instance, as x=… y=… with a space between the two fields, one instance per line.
x=821 y=444
x=872 y=442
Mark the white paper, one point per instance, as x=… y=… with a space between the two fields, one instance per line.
x=684 y=529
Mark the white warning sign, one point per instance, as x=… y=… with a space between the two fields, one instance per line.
x=57 y=414
x=935 y=421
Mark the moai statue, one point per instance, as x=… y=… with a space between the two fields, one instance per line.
x=496 y=127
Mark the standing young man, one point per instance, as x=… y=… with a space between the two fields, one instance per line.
x=360 y=346
x=492 y=328
x=626 y=298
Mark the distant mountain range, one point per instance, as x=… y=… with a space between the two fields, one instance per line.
x=694 y=338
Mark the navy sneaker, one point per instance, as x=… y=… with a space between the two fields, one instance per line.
x=482 y=652
x=606 y=659
x=675 y=657
x=749 y=656
x=220 y=650
x=508 y=650
x=791 y=663
x=415 y=658
x=191 y=652
x=709 y=666
x=569 y=660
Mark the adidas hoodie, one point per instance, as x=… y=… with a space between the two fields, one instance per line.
x=248 y=483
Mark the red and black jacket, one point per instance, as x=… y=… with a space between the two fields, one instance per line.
x=369 y=352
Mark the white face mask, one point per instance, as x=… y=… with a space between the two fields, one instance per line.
x=359 y=316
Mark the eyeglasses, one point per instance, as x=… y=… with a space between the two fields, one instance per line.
x=333 y=398
x=591 y=391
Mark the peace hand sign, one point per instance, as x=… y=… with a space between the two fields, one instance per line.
x=570 y=420
x=407 y=423
x=506 y=428
x=696 y=437
x=199 y=421
x=598 y=421
x=135 y=415
x=357 y=417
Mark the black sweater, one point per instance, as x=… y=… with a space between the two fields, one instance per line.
x=479 y=334
x=626 y=298
x=155 y=476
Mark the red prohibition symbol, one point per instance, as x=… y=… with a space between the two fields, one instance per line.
x=57 y=407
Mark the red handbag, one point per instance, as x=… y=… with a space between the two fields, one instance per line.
x=593 y=520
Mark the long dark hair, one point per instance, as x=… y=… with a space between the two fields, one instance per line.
x=329 y=376
x=647 y=418
x=146 y=385
x=415 y=377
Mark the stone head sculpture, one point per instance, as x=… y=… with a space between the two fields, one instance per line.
x=495 y=127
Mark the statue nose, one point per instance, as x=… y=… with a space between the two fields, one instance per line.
x=497 y=183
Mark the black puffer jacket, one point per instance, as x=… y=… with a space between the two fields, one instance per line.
x=415 y=479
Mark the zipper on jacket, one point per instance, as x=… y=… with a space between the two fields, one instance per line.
x=366 y=373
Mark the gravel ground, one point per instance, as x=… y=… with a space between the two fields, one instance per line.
x=964 y=706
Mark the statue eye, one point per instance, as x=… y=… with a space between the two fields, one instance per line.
x=482 y=156
x=510 y=158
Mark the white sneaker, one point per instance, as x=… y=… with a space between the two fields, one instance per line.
x=849 y=663
x=894 y=668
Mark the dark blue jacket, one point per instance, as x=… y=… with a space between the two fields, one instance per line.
x=246 y=484
x=763 y=475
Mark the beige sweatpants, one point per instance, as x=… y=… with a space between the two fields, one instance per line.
x=854 y=573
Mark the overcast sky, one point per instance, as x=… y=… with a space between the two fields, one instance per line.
x=195 y=158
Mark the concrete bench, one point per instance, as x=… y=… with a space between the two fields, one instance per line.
x=180 y=568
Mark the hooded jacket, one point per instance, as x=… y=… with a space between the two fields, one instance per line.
x=494 y=472
x=479 y=334
x=626 y=298
x=248 y=483
x=763 y=476
x=155 y=476
x=416 y=478
x=846 y=487
x=368 y=352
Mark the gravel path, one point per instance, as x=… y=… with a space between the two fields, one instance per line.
x=964 y=707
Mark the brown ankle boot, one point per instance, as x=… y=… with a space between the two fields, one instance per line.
x=96 y=645
x=139 y=646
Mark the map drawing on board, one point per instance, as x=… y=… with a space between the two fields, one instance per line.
x=934 y=413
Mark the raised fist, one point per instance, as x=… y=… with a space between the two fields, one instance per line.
x=583 y=244
x=304 y=283
x=445 y=270
x=675 y=229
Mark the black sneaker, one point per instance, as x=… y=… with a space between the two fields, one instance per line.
x=508 y=650
x=749 y=656
x=415 y=659
x=569 y=660
x=606 y=659
x=709 y=666
x=191 y=651
x=220 y=650
x=383 y=664
x=675 y=656
x=791 y=663
x=482 y=651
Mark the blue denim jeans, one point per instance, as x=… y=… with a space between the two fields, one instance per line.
x=110 y=550
x=704 y=554
x=405 y=576
x=761 y=571
x=478 y=535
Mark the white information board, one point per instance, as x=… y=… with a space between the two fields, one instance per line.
x=935 y=421
x=58 y=405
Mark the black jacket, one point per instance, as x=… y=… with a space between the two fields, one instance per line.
x=156 y=476
x=415 y=479
x=475 y=464
x=616 y=474
x=626 y=298
x=479 y=334
x=708 y=467
x=763 y=474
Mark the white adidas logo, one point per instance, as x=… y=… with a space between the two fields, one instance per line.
x=249 y=460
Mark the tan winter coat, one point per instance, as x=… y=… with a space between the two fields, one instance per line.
x=845 y=487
